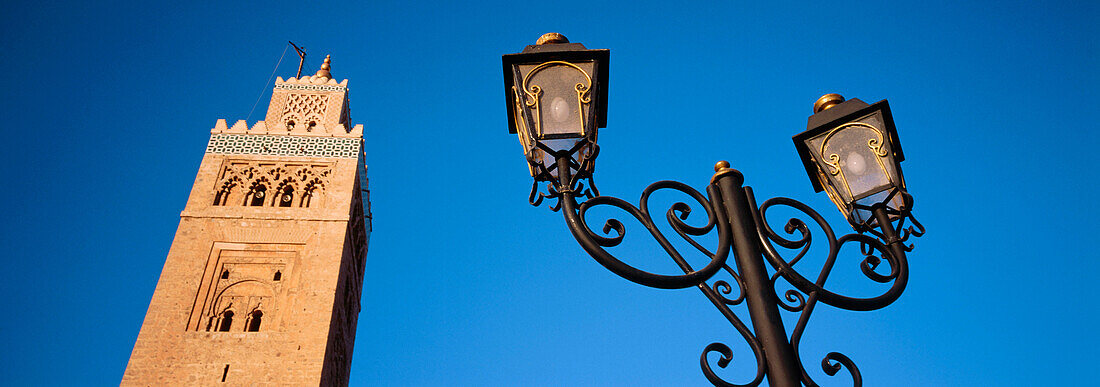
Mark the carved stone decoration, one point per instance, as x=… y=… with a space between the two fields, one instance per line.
x=304 y=109
x=271 y=184
x=237 y=285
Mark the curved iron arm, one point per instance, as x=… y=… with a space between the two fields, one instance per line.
x=899 y=266
x=594 y=244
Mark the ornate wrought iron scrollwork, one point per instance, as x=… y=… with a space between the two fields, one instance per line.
x=884 y=246
x=716 y=293
x=899 y=271
x=676 y=216
x=914 y=229
x=727 y=356
x=581 y=158
x=815 y=291
x=595 y=243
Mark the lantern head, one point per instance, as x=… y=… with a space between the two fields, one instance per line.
x=851 y=151
x=556 y=96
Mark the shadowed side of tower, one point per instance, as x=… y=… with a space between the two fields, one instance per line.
x=263 y=280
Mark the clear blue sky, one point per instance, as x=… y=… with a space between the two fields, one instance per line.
x=107 y=109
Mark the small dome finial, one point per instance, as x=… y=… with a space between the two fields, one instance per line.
x=827 y=101
x=551 y=38
x=325 y=67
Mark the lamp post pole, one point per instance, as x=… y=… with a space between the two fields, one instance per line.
x=556 y=95
x=760 y=298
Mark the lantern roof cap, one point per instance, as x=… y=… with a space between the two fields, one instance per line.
x=552 y=47
x=551 y=38
x=834 y=112
x=827 y=101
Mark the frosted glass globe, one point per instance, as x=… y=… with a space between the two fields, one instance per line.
x=856 y=164
x=559 y=109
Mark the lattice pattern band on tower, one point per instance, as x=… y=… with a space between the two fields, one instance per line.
x=276 y=145
x=286 y=86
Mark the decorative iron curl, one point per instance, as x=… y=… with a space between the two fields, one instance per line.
x=833 y=362
x=906 y=232
x=899 y=267
x=794 y=296
x=575 y=183
x=723 y=288
x=724 y=360
x=905 y=213
x=537 y=197
x=595 y=243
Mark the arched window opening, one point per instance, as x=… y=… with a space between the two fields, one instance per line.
x=227 y=321
x=258 y=195
x=219 y=199
x=290 y=125
x=306 y=197
x=312 y=124
x=225 y=274
x=287 y=197
x=254 y=321
x=310 y=191
x=278 y=276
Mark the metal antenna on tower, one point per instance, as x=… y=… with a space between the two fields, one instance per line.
x=301 y=57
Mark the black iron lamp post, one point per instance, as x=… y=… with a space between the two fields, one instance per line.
x=556 y=95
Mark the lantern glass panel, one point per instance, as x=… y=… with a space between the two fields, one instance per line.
x=556 y=97
x=856 y=160
x=537 y=156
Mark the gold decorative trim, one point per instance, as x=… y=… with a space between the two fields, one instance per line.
x=533 y=93
x=876 y=146
x=524 y=134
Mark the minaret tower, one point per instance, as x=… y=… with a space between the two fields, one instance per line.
x=263 y=279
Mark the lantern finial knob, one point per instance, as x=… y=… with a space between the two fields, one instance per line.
x=721 y=165
x=551 y=38
x=827 y=101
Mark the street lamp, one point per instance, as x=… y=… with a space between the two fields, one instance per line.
x=556 y=95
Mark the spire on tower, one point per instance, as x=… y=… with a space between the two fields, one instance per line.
x=325 y=67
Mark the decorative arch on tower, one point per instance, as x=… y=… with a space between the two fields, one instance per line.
x=257 y=192
x=226 y=189
x=312 y=193
x=234 y=308
x=285 y=193
x=253 y=183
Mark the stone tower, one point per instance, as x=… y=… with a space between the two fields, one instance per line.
x=263 y=279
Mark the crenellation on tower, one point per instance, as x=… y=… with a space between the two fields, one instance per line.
x=262 y=282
